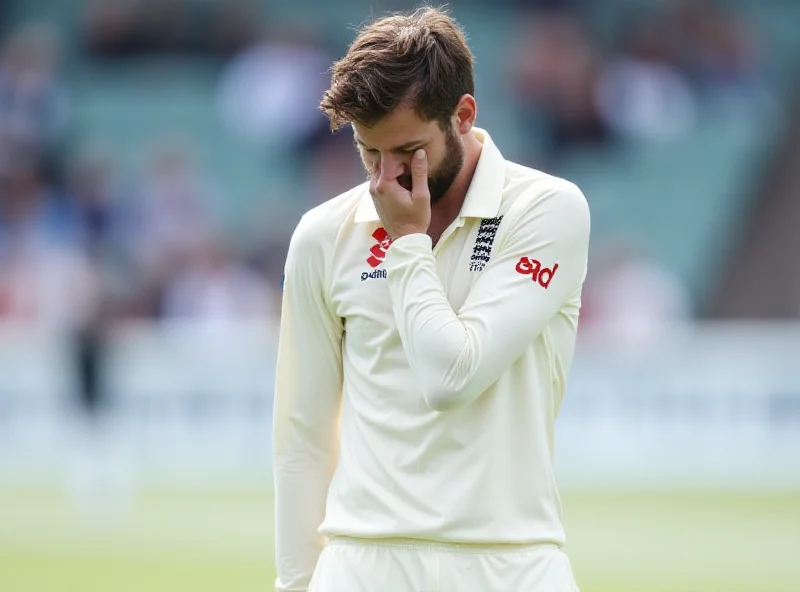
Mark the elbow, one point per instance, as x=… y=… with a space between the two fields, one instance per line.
x=446 y=373
x=447 y=383
x=441 y=397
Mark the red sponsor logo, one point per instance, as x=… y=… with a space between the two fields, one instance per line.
x=378 y=251
x=533 y=268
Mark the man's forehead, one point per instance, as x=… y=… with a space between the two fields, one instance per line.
x=401 y=127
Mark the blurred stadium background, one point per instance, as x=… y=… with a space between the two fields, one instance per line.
x=155 y=156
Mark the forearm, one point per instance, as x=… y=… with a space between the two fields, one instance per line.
x=305 y=453
x=539 y=266
x=442 y=349
x=301 y=486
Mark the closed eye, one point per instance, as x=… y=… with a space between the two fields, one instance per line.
x=403 y=152
x=406 y=149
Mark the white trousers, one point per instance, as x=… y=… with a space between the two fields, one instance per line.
x=398 y=565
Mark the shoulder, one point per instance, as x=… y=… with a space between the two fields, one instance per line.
x=533 y=197
x=319 y=227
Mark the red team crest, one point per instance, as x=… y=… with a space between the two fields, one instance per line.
x=534 y=268
x=378 y=252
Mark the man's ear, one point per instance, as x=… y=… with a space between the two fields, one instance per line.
x=465 y=114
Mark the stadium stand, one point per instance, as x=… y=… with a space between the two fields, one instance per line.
x=687 y=222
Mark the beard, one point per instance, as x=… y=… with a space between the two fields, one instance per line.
x=441 y=178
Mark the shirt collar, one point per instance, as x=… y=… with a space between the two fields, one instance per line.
x=485 y=192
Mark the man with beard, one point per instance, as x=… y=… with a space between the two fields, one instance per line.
x=428 y=327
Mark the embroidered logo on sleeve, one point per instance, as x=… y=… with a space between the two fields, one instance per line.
x=482 y=250
x=533 y=268
x=378 y=251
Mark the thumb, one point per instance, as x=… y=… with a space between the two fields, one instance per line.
x=419 y=174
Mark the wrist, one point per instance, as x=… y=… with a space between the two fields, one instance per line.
x=411 y=242
x=400 y=232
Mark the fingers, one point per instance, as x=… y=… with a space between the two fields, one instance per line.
x=419 y=174
x=381 y=187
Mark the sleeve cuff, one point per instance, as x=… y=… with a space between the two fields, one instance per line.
x=407 y=248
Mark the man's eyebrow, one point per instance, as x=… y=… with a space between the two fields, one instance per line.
x=408 y=146
x=402 y=148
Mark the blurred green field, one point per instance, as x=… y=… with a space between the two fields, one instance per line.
x=213 y=541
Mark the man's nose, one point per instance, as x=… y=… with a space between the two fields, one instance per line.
x=391 y=168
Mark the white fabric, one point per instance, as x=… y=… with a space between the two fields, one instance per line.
x=399 y=566
x=417 y=387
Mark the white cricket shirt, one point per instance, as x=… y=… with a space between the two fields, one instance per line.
x=417 y=387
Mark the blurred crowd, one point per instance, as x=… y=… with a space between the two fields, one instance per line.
x=119 y=29
x=77 y=245
x=577 y=89
x=81 y=250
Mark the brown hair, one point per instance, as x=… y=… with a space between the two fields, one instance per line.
x=420 y=59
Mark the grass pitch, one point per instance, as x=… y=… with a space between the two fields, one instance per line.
x=212 y=541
